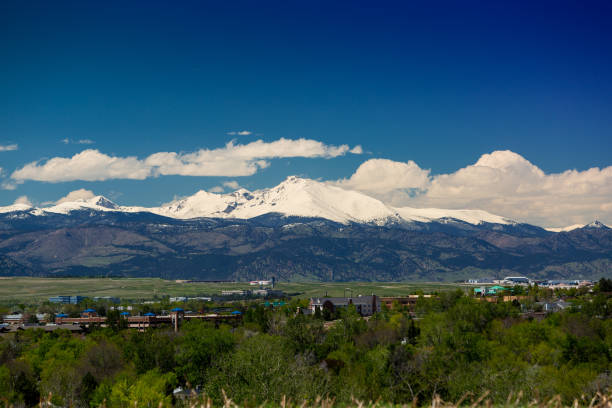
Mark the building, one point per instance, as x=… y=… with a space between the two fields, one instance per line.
x=23 y=318
x=109 y=299
x=365 y=305
x=407 y=301
x=557 y=306
x=480 y=281
x=69 y=300
x=516 y=280
x=270 y=282
x=235 y=292
x=489 y=291
x=15 y=318
x=268 y=293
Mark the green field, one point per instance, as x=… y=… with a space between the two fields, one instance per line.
x=29 y=290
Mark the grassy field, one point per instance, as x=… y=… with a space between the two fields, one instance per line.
x=29 y=290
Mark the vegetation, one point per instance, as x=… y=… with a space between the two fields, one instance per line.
x=35 y=290
x=450 y=348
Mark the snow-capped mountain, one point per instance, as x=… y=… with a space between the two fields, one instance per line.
x=246 y=235
x=295 y=196
x=97 y=203
x=15 y=208
x=309 y=198
x=592 y=225
x=596 y=225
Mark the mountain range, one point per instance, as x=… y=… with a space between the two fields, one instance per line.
x=299 y=230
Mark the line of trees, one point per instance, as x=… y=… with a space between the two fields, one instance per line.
x=456 y=345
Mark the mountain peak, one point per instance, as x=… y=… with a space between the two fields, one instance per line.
x=596 y=225
x=102 y=201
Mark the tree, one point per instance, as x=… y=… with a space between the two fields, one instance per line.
x=202 y=345
x=604 y=285
x=149 y=390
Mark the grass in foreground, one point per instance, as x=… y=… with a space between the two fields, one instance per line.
x=600 y=400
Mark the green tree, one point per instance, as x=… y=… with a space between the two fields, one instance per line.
x=148 y=390
x=201 y=346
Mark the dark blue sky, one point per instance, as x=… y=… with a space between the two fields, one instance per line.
x=437 y=82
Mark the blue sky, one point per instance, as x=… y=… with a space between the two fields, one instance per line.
x=438 y=83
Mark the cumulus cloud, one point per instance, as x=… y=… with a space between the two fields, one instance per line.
x=240 y=133
x=8 y=148
x=76 y=195
x=383 y=176
x=501 y=182
x=23 y=200
x=88 y=165
x=216 y=189
x=231 y=160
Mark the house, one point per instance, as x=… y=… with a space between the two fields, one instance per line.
x=365 y=305
x=557 y=306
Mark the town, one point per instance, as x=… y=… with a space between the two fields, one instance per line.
x=536 y=298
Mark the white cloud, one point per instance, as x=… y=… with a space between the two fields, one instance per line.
x=501 y=182
x=76 y=195
x=240 y=133
x=23 y=200
x=80 y=141
x=9 y=185
x=216 y=189
x=357 y=150
x=232 y=184
x=383 y=176
x=232 y=160
x=88 y=165
x=9 y=147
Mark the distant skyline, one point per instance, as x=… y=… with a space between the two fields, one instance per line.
x=501 y=106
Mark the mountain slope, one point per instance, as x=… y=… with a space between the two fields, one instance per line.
x=94 y=243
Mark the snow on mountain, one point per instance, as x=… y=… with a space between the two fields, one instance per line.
x=565 y=229
x=470 y=216
x=15 y=207
x=596 y=225
x=97 y=203
x=592 y=225
x=309 y=198
x=293 y=197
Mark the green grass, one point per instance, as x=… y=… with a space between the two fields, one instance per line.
x=30 y=290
